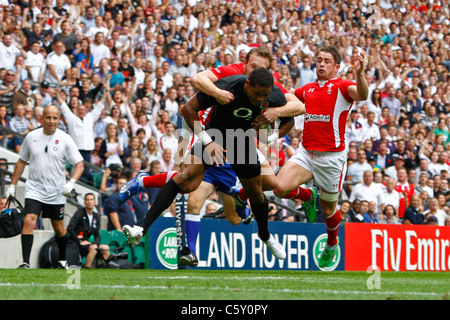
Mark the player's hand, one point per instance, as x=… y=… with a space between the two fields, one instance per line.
x=359 y=66
x=266 y=117
x=68 y=187
x=224 y=97
x=11 y=191
x=216 y=154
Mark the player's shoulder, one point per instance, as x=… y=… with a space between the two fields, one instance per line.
x=342 y=82
x=225 y=71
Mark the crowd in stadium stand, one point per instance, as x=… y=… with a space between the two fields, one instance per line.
x=119 y=71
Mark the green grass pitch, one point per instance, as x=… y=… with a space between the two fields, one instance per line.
x=101 y=284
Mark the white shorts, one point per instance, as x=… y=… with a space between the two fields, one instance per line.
x=328 y=168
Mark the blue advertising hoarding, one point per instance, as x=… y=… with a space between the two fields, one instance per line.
x=223 y=246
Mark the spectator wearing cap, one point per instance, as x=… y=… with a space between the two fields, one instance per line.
x=399 y=162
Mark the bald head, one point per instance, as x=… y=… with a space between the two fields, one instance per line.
x=51 y=119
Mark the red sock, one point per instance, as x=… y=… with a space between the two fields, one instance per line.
x=242 y=195
x=158 y=180
x=299 y=193
x=332 y=223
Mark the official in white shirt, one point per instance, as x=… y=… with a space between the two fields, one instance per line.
x=46 y=150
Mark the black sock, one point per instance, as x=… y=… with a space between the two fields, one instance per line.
x=261 y=213
x=27 y=243
x=163 y=200
x=62 y=245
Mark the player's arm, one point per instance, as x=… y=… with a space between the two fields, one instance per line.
x=18 y=170
x=294 y=107
x=360 y=92
x=204 y=82
x=78 y=171
x=190 y=113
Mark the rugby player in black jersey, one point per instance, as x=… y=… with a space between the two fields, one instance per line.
x=231 y=128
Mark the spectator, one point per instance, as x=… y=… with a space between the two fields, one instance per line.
x=119 y=214
x=370 y=216
x=67 y=37
x=9 y=51
x=383 y=159
x=356 y=170
x=166 y=160
x=7 y=90
x=391 y=196
x=414 y=213
x=111 y=150
x=56 y=64
x=4 y=121
x=98 y=49
x=134 y=150
x=20 y=124
x=83 y=58
x=84 y=224
x=35 y=61
x=344 y=209
x=390 y=215
x=3 y=201
x=369 y=191
x=405 y=190
x=399 y=162
x=434 y=211
x=307 y=74
x=24 y=95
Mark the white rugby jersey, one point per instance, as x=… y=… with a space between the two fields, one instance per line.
x=47 y=169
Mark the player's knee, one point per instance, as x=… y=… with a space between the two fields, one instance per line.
x=30 y=221
x=279 y=192
x=256 y=198
x=182 y=180
x=193 y=206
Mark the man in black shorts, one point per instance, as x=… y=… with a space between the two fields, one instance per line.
x=231 y=128
x=46 y=151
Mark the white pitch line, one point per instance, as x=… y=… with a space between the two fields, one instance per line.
x=347 y=292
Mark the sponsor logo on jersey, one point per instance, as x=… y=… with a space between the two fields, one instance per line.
x=316 y=117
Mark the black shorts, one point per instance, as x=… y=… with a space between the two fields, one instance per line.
x=241 y=155
x=52 y=211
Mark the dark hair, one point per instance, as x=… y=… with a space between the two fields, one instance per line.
x=89 y=194
x=261 y=77
x=334 y=52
